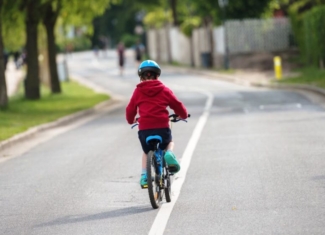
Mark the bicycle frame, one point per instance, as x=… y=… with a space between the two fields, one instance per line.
x=160 y=175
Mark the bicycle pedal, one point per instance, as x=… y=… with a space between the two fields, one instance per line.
x=172 y=168
x=144 y=186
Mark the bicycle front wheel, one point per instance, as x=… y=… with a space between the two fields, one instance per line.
x=153 y=181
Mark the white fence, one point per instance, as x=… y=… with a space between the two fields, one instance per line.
x=258 y=35
x=247 y=36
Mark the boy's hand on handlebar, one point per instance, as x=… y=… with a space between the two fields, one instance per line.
x=176 y=118
x=135 y=120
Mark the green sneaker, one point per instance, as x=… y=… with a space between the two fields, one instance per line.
x=172 y=162
x=144 y=181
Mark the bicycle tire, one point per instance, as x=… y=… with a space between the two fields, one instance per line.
x=167 y=187
x=153 y=189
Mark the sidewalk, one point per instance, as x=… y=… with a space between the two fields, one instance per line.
x=249 y=78
x=13 y=78
x=244 y=77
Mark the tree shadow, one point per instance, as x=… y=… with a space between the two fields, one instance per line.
x=98 y=216
x=319 y=179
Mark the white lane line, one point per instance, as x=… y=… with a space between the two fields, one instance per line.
x=159 y=225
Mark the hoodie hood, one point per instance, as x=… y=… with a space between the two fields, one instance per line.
x=151 y=88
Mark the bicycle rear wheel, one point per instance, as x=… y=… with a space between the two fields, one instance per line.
x=167 y=186
x=153 y=181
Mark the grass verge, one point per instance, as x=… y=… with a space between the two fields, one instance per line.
x=23 y=114
x=308 y=75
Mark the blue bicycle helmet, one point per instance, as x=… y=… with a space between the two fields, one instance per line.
x=149 y=65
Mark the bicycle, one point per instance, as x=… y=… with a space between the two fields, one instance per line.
x=157 y=169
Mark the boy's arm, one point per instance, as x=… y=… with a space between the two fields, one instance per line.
x=177 y=106
x=131 y=109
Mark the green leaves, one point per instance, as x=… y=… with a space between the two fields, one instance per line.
x=208 y=11
x=157 y=18
x=77 y=12
x=190 y=24
x=238 y=9
x=315 y=32
x=307 y=19
x=13 y=26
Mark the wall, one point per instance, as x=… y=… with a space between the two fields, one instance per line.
x=247 y=36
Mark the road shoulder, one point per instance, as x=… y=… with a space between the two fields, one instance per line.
x=20 y=141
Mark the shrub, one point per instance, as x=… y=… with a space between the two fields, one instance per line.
x=78 y=44
x=315 y=35
x=297 y=25
x=129 y=40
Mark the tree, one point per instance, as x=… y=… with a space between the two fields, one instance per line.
x=50 y=16
x=12 y=38
x=32 y=10
x=173 y=6
x=121 y=19
x=73 y=12
x=238 y=9
x=13 y=27
x=116 y=22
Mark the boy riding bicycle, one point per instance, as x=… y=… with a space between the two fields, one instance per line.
x=150 y=100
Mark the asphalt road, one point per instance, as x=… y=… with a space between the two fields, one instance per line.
x=257 y=168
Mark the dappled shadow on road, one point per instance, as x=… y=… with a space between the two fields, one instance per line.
x=320 y=179
x=70 y=219
x=227 y=103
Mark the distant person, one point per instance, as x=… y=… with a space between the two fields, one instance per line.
x=121 y=56
x=104 y=40
x=138 y=49
x=17 y=59
x=23 y=57
x=96 y=51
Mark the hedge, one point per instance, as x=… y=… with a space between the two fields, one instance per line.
x=314 y=21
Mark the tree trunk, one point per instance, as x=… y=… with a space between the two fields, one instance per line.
x=51 y=48
x=32 y=82
x=49 y=22
x=3 y=86
x=173 y=5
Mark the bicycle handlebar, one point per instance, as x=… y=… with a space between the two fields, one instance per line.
x=172 y=118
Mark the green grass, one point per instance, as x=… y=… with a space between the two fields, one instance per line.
x=308 y=75
x=23 y=114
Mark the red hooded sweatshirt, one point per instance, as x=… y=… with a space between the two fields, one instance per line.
x=151 y=99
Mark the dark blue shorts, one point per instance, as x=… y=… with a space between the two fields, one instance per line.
x=165 y=134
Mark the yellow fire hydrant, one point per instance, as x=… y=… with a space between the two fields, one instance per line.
x=277 y=67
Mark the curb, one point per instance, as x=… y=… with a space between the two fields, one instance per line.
x=114 y=99
x=314 y=89
x=59 y=122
